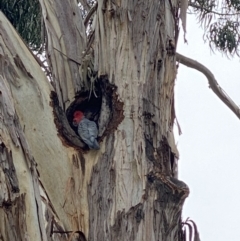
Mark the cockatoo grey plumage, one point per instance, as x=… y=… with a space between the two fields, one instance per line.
x=87 y=130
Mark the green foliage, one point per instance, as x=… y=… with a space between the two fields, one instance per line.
x=221 y=23
x=225 y=36
x=234 y=4
x=219 y=18
x=25 y=16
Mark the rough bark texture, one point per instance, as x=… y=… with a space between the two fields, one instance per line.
x=30 y=146
x=122 y=77
x=131 y=206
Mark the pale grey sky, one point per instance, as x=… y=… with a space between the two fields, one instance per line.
x=209 y=146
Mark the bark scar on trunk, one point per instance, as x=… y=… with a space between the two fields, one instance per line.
x=9 y=190
x=162 y=157
x=173 y=184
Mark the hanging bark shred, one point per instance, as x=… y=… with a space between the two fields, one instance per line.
x=111 y=109
x=8 y=168
x=13 y=219
x=183 y=15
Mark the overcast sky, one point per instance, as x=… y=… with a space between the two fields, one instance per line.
x=209 y=145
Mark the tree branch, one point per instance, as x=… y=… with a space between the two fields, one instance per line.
x=211 y=80
x=210 y=11
x=90 y=13
x=85 y=5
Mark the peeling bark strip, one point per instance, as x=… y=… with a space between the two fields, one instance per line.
x=66 y=33
x=7 y=66
x=21 y=211
x=11 y=180
x=7 y=70
x=7 y=111
x=121 y=226
x=162 y=157
x=131 y=47
x=111 y=109
x=21 y=66
x=13 y=221
x=10 y=126
x=167 y=205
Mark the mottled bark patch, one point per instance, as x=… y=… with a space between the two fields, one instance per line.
x=13 y=221
x=114 y=110
x=162 y=157
x=169 y=184
x=167 y=206
x=18 y=62
x=127 y=223
x=100 y=194
x=8 y=70
x=7 y=165
x=55 y=230
x=76 y=160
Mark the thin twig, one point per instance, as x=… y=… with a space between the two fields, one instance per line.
x=90 y=13
x=213 y=84
x=73 y=60
x=85 y=5
x=91 y=38
x=210 y=11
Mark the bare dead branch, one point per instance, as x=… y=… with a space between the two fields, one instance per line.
x=85 y=5
x=90 y=13
x=211 y=80
x=90 y=41
x=210 y=11
x=73 y=60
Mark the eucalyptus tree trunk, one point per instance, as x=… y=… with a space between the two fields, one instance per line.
x=122 y=76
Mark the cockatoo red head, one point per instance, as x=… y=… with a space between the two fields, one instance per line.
x=77 y=117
